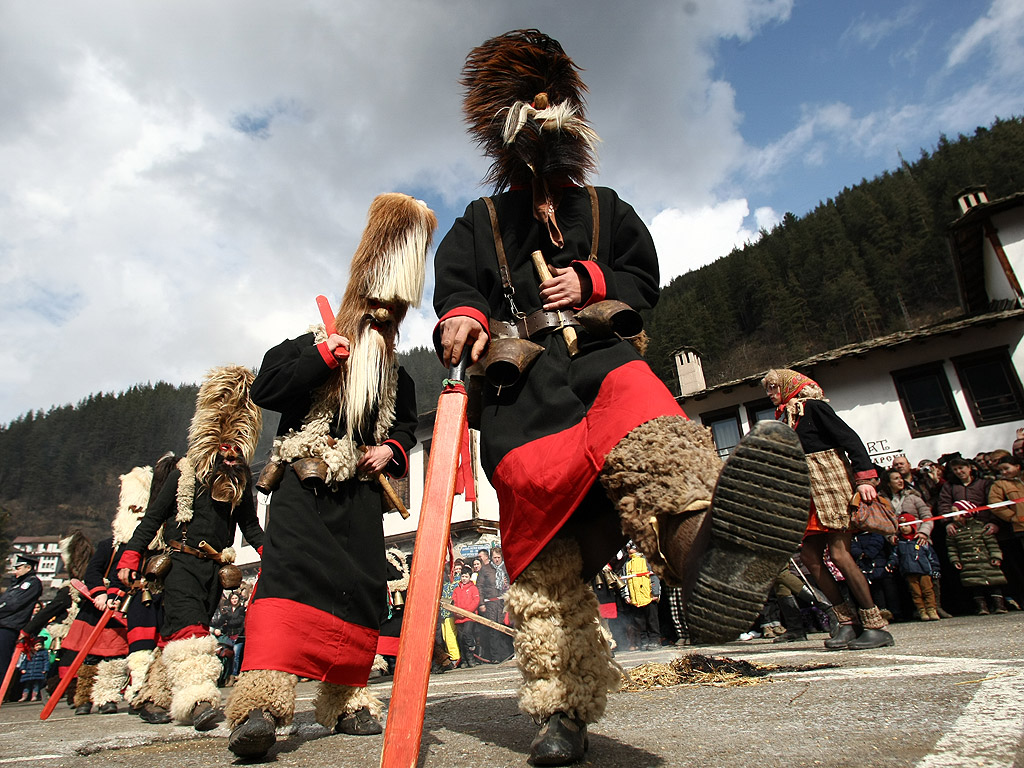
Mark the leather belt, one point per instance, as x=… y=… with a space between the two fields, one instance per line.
x=538 y=323
x=177 y=546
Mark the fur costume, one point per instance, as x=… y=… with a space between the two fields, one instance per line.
x=266 y=689
x=84 y=686
x=335 y=701
x=111 y=680
x=139 y=663
x=561 y=651
x=193 y=669
x=156 y=688
x=331 y=409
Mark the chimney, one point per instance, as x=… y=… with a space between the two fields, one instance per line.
x=971 y=197
x=690 y=371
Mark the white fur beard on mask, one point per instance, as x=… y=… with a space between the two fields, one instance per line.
x=364 y=381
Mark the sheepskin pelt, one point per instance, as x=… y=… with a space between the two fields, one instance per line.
x=332 y=701
x=84 y=684
x=524 y=106
x=224 y=414
x=156 y=686
x=111 y=680
x=193 y=669
x=380 y=664
x=76 y=552
x=399 y=560
x=271 y=690
x=139 y=663
x=565 y=661
x=131 y=503
x=666 y=466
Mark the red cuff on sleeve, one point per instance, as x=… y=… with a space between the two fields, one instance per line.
x=97 y=590
x=130 y=560
x=401 y=458
x=868 y=474
x=476 y=314
x=599 y=288
x=327 y=355
x=259 y=551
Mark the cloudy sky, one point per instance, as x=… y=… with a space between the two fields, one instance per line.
x=181 y=179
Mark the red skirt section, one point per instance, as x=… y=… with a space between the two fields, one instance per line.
x=112 y=642
x=387 y=645
x=609 y=610
x=292 y=637
x=540 y=484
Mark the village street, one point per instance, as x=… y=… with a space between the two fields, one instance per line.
x=950 y=693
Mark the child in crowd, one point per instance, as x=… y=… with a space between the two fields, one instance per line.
x=34 y=667
x=916 y=560
x=467 y=597
x=975 y=553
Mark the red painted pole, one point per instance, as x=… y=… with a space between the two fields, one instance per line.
x=412 y=672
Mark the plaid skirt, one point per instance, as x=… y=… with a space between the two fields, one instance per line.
x=831 y=491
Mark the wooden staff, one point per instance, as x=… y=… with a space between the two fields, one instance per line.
x=412 y=672
x=568 y=332
x=449 y=606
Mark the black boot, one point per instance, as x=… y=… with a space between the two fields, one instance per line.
x=981 y=606
x=998 y=604
x=85 y=709
x=359 y=723
x=871 y=638
x=151 y=713
x=793 y=620
x=562 y=740
x=205 y=716
x=841 y=640
x=254 y=736
x=110 y=708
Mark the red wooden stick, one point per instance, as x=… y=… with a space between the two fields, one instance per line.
x=412 y=672
x=327 y=315
x=10 y=669
x=62 y=686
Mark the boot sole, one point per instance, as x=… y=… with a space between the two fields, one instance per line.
x=759 y=515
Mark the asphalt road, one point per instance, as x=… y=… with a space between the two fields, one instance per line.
x=949 y=694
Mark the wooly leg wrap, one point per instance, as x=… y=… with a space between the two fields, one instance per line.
x=83 y=688
x=139 y=663
x=565 y=660
x=844 y=612
x=332 y=701
x=661 y=477
x=156 y=687
x=871 y=618
x=111 y=679
x=193 y=669
x=271 y=690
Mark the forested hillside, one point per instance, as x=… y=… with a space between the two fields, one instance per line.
x=871 y=261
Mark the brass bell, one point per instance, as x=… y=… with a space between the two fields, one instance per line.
x=610 y=317
x=312 y=473
x=270 y=477
x=507 y=359
x=397 y=600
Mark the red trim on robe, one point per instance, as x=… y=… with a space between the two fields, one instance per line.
x=186 y=633
x=387 y=645
x=293 y=637
x=327 y=355
x=130 y=559
x=113 y=640
x=540 y=484
x=142 y=634
x=599 y=288
x=475 y=314
x=403 y=462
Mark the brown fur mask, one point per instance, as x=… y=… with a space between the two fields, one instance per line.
x=224 y=416
x=76 y=552
x=386 y=278
x=523 y=79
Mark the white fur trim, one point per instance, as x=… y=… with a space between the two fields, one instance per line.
x=111 y=679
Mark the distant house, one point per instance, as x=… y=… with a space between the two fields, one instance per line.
x=46 y=548
x=951 y=386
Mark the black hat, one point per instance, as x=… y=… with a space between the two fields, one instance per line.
x=24 y=559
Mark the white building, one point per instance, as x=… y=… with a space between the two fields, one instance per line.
x=952 y=386
x=46 y=548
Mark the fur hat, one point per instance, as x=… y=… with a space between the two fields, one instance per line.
x=76 y=552
x=224 y=415
x=524 y=105
x=132 y=503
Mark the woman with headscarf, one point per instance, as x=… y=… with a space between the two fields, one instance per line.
x=834 y=452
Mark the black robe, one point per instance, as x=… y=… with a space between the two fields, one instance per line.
x=545 y=439
x=322 y=591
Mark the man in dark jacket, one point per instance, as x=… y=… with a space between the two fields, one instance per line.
x=16 y=605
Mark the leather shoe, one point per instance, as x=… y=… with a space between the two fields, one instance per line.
x=871 y=638
x=841 y=640
x=254 y=736
x=205 y=716
x=359 y=723
x=83 y=709
x=151 y=713
x=562 y=740
x=110 y=708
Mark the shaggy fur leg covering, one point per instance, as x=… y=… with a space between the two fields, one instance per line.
x=156 y=687
x=664 y=468
x=271 y=690
x=332 y=701
x=565 y=661
x=111 y=679
x=83 y=688
x=380 y=664
x=193 y=669
x=139 y=663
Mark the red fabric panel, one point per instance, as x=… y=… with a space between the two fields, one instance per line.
x=609 y=610
x=140 y=634
x=292 y=637
x=113 y=640
x=540 y=484
x=387 y=646
x=193 y=630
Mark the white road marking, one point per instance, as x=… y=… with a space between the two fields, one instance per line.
x=6 y=760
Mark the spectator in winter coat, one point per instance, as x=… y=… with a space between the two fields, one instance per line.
x=872 y=552
x=975 y=553
x=467 y=597
x=1009 y=486
x=963 y=484
x=916 y=561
